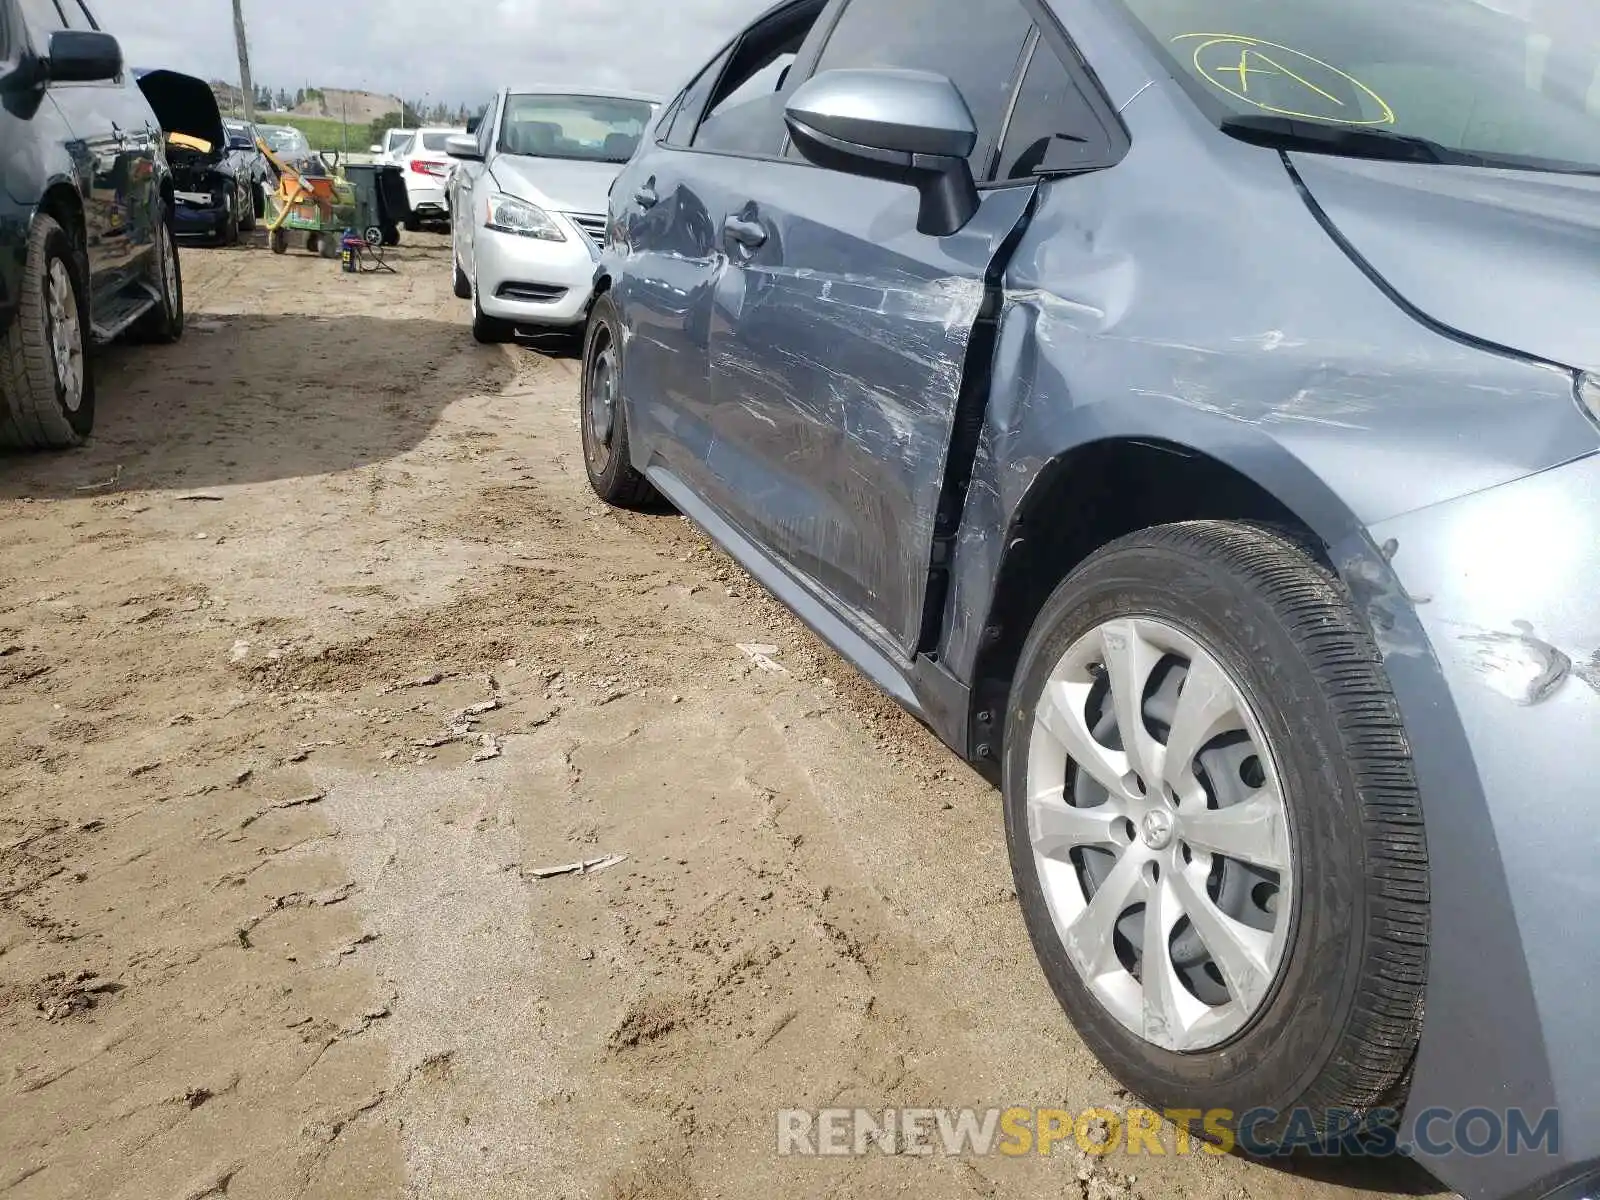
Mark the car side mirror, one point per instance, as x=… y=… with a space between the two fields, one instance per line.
x=82 y=56
x=910 y=127
x=459 y=146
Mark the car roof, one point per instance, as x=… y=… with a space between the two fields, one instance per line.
x=549 y=89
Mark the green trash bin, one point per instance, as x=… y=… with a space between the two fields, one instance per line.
x=381 y=203
x=363 y=177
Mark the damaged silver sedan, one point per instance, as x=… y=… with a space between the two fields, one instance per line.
x=1182 y=406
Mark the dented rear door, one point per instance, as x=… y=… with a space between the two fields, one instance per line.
x=837 y=342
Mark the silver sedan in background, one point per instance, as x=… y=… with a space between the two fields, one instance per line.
x=528 y=203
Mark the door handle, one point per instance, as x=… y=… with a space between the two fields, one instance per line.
x=646 y=196
x=750 y=234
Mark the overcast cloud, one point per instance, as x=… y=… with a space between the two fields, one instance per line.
x=452 y=50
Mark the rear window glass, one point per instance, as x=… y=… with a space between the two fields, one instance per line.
x=434 y=141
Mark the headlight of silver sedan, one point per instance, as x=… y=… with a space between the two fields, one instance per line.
x=507 y=214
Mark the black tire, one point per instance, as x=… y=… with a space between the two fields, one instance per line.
x=164 y=323
x=1339 y=1026
x=413 y=224
x=278 y=240
x=36 y=411
x=247 y=211
x=491 y=331
x=611 y=472
x=462 y=285
x=259 y=199
x=228 y=235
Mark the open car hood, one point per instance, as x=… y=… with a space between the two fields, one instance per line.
x=1505 y=257
x=184 y=104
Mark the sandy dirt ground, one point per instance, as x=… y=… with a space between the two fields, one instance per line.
x=312 y=661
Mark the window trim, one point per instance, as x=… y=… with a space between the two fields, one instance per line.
x=692 y=108
x=790 y=82
x=1081 y=71
x=489 y=127
x=668 y=116
x=79 y=6
x=1113 y=149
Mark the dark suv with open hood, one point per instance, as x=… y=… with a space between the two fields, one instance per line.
x=213 y=190
x=86 y=245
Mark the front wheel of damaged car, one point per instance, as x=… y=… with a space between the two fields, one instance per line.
x=1215 y=829
x=602 y=415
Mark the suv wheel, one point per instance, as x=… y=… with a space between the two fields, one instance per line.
x=602 y=415
x=46 y=385
x=164 y=322
x=1215 y=830
x=247 y=209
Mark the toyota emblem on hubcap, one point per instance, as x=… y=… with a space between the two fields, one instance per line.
x=1157 y=830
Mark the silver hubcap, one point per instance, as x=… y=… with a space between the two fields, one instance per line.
x=1160 y=834
x=66 y=334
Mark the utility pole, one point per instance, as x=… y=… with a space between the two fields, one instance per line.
x=247 y=87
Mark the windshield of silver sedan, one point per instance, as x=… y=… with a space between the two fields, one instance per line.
x=584 y=128
x=1498 y=83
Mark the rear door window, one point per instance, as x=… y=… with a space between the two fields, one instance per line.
x=745 y=113
x=977 y=44
x=695 y=100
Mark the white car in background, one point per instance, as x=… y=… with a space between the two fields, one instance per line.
x=426 y=166
x=387 y=151
x=529 y=201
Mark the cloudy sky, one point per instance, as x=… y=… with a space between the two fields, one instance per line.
x=454 y=50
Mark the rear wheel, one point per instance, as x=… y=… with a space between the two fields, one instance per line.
x=279 y=241
x=164 y=322
x=602 y=416
x=247 y=210
x=1215 y=830
x=46 y=385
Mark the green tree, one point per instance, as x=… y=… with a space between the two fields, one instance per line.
x=382 y=126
